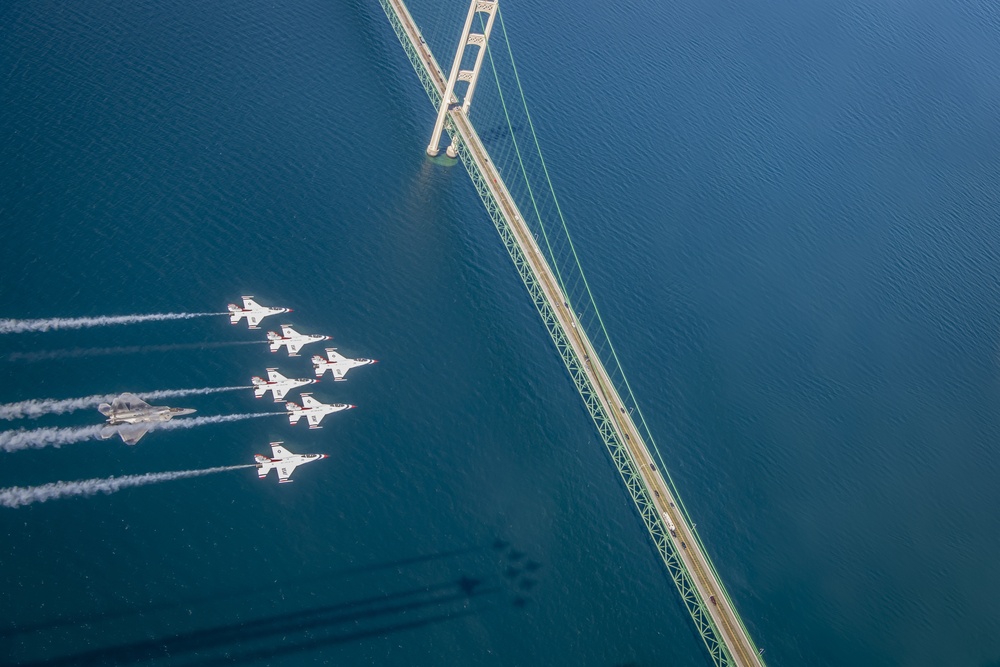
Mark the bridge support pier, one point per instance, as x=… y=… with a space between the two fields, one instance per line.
x=449 y=101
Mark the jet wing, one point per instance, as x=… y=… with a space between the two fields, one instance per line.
x=279 y=392
x=279 y=452
x=294 y=346
x=314 y=419
x=288 y=332
x=285 y=471
x=274 y=376
x=310 y=402
x=128 y=401
x=132 y=433
x=253 y=319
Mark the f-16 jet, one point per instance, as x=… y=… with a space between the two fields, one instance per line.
x=253 y=311
x=293 y=339
x=283 y=461
x=277 y=384
x=312 y=410
x=337 y=364
x=131 y=417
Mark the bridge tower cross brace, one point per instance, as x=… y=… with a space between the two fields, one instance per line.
x=467 y=40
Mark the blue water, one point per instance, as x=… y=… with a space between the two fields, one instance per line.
x=788 y=214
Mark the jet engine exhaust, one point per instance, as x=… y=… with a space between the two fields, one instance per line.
x=35 y=408
x=52 y=323
x=12 y=441
x=19 y=496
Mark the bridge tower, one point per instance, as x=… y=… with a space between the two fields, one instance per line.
x=467 y=40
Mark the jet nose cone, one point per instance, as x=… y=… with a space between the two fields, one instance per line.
x=351 y=407
x=324 y=456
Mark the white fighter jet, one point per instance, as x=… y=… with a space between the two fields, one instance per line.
x=283 y=461
x=338 y=364
x=253 y=311
x=277 y=384
x=130 y=417
x=312 y=410
x=293 y=339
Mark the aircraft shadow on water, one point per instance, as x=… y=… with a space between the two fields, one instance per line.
x=304 y=630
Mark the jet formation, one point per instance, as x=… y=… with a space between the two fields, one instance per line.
x=283 y=461
x=131 y=417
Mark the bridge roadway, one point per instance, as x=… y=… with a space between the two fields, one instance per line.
x=731 y=633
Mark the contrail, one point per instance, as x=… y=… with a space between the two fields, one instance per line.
x=19 y=496
x=48 y=324
x=49 y=406
x=217 y=419
x=114 y=351
x=12 y=441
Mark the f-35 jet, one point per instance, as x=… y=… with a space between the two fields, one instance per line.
x=130 y=417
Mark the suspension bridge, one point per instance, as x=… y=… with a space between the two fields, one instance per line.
x=517 y=191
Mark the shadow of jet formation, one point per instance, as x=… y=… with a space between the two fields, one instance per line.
x=299 y=631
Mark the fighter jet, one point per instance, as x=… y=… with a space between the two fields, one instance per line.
x=130 y=417
x=283 y=461
x=338 y=364
x=313 y=410
x=293 y=339
x=253 y=311
x=277 y=384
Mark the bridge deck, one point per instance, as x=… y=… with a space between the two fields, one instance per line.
x=715 y=615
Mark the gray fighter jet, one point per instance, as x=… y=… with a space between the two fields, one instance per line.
x=130 y=417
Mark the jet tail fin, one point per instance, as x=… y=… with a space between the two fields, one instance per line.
x=259 y=386
x=264 y=465
x=275 y=341
x=105 y=409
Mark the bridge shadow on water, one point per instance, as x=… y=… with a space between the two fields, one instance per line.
x=302 y=630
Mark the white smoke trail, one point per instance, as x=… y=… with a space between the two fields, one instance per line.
x=217 y=419
x=12 y=441
x=48 y=324
x=49 y=406
x=19 y=496
x=79 y=352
